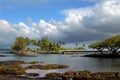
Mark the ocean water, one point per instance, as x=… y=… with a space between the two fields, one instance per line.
x=76 y=62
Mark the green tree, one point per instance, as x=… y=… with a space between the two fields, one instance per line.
x=20 y=43
x=46 y=45
x=28 y=40
x=59 y=44
x=97 y=45
x=83 y=45
x=77 y=46
x=34 y=42
x=112 y=44
x=55 y=47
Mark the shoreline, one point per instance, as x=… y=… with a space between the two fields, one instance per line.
x=84 y=75
x=32 y=52
x=69 y=75
x=13 y=70
x=102 y=56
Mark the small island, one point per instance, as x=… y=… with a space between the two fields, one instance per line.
x=25 y=45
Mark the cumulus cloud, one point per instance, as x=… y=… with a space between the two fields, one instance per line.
x=93 y=23
x=9 y=31
x=81 y=24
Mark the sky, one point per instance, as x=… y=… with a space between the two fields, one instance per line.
x=70 y=21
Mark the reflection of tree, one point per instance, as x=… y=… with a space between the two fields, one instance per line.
x=115 y=65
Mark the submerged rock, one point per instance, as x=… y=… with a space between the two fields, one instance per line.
x=34 y=62
x=32 y=74
x=47 y=67
x=3 y=56
x=11 y=68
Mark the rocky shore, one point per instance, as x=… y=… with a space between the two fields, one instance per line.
x=13 y=70
x=71 y=75
x=84 y=75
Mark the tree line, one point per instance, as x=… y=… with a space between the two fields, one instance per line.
x=111 y=44
x=44 y=44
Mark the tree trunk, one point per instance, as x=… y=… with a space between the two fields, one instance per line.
x=114 y=52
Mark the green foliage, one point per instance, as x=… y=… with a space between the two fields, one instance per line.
x=20 y=43
x=112 y=44
x=97 y=45
x=44 y=44
x=47 y=45
x=79 y=47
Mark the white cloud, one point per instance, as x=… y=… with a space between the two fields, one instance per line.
x=6 y=32
x=82 y=24
x=9 y=31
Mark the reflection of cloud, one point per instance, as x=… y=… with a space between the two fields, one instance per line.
x=82 y=24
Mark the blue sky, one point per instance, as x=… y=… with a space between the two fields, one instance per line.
x=19 y=10
x=71 y=21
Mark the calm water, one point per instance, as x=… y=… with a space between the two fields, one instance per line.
x=76 y=63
